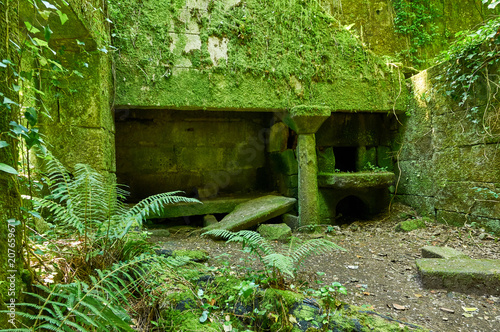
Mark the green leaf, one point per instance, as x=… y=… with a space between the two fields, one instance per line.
x=9 y=101
x=47 y=33
x=3 y=144
x=3 y=65
x=103 y=50
x=39 y=42
x=16 y=87
x=31 y=116
x=204 y=317
x=80 y=43
x=14 y=222
x=44 y=14
x=39 y=252
x=31 y=28
x=77 y=73
x=7 y=169
x=48 y=5
x=63 y=17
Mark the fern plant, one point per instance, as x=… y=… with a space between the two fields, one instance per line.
x=278 y=265
x=96 y=306
x=91 y=207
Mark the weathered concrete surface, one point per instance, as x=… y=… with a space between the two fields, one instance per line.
x=208 y=206
x=308 y=180
x=472 y=276
x=254 y=212
x=442 y=252
x=356 y=180
x=275 y=232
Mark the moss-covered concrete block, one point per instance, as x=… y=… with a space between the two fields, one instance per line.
x=254 y=212
x=366 y=156
x=471 y=276
x=442 y=252
x=73 y=145
x=198 y=256
x=326 y=160
x=410 y=225
x=360 y=180
x=384 y=158
x=284 y=162
x=278 y=137
x=418 y=177
x=451 y=218
x=275 y=232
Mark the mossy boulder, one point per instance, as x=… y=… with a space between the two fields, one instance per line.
x=275 y=232
x=198 y=256
x=410 y=225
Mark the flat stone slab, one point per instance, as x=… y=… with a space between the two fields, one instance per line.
x=470 y=276
x=356 y=180
x=442 y=252
x=221 y=204
x=254 y=212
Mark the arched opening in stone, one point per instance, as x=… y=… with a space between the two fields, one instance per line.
x=350 y=209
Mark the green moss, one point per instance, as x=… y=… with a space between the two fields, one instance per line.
x=194 y=255
x=275 y=60
x=410 y=225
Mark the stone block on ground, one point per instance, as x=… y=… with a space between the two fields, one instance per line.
x=159 y=232
x=292 y=221
x=470 y=276
x=275 y=232
x=254 y=212
x=442 y=252
x=209 y=219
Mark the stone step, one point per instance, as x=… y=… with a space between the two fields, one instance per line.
x=442 y=252
x=254 y=212
x=470 y=276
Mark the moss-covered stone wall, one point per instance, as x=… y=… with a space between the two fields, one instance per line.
x=374 y=22
x=235 y=55
x=203 y=153
x=77 y=94
x=449 y=160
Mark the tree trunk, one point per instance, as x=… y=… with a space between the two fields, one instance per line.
x=11 y=261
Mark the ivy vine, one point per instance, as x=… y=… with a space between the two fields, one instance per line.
x=467 y=75
x=415 y=19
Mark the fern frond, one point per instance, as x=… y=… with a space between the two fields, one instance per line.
x=313 y=247
x=154 y=204
x=253 y=240
x=281 y=263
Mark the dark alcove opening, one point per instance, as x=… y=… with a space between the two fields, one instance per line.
x=350 y=209
x=345 y=158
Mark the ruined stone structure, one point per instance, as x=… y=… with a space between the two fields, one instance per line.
x=241 y=98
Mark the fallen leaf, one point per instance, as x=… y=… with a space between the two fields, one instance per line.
x=292 y=319
x=368 y=294
x=450 y=311
x=418 y=295
x=467 y=315
x=398 y=306
x=228 y=318
x=469 y=309
x=228 y=328
x=352 y=267
x=359 y=256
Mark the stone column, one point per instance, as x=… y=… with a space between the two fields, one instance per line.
x=308 y=182
x=305 y=121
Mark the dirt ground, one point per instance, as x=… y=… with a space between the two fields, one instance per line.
x=379 y=272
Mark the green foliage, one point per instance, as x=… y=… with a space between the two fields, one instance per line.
x=96 y=306
x=279 y=265
x=270 y=39
x=467 y=65
x=374 y=168
x=416 y=20
x=90 y=206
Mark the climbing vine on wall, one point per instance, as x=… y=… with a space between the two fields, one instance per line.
x=416 y=20
x=469 y=74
